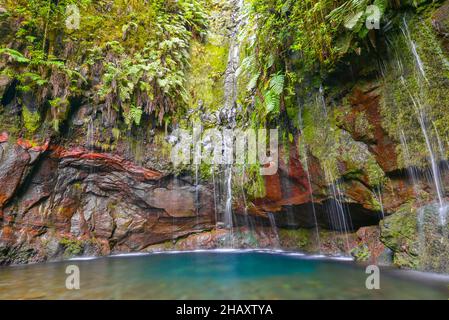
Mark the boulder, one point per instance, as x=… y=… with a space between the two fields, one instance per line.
x=417 y=238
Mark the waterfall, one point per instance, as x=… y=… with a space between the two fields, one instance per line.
x=338 y=214
x=274 y=228
x=197 y=131
x=228 y=112
x=90 y=134
x=305 y=163
x=418 y=102
x=230 y=81
x=408 y=162
x=378 y=195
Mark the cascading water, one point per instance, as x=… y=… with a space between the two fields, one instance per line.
x=378 y=195
x=305 y=163
x=197 y=160
x=228 y=112
x=274 y=228
x=338 y=213
x=418 y=102
x=90 y=135
x=408 y=162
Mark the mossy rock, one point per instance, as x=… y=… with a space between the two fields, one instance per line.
x=361 y=253
x=16 y=255
x=417 y=238
x=31 y=120
x=72 y=247
x=440 y=19
x=295 y=239
x=416 y=86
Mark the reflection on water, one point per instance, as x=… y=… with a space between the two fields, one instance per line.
x=213 y=275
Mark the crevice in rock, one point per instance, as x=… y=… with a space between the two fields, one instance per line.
x=9 y=93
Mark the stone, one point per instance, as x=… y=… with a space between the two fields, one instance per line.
x=365 y=102
x=13 y=169
x=4 y=80
x=417 y=238
x=440 y=20
x=99 y=202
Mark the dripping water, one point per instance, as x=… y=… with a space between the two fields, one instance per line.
x=274 y=228
x=305 y=162
x=228 y=112
x=418 y=103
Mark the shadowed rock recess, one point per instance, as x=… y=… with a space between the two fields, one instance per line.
x=88 y=120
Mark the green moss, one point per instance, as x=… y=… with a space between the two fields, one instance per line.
x=164 y=148
x=375 y=204
x=116 y=133
x=12 y=125
x=299 y=238
x=133 y=55
x=322 y=137
x=363 y=127
x=31 y=120
x=400 y=113
x=402 y=225
x=254 y=182
x=361 y=253
x=333 y=146
x=78 y=186
x=72 y=247
x=205 y=79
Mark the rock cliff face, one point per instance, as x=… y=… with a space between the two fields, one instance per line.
x=57 y=202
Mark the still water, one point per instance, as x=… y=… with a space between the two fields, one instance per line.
x=216 y=275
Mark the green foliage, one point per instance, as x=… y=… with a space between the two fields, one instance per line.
x=254 y=182
x=289 y=43
x=407 y=95
x=139 y=50
x=208 y=65
x=31 y=120
x=361 y=253
x=152 y=79
x=72 y=247
x=298 y=239
x=399 y=233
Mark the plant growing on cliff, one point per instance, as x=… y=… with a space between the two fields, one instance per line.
x=134 y=55
x=72 y=247
x=152 y=80
x=295 y=45
x=31 y=120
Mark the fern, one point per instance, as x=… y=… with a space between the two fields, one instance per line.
x=277 y=84
x=272 y=101
x=15 y=55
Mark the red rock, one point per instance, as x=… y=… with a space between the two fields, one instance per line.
x=381 y=145
x=370 y=236
x=13 y=168
x=109 y=160
x=289 y=186
x=4 y=137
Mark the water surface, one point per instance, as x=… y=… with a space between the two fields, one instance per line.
x=216 y=275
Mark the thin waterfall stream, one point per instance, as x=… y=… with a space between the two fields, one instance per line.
x=416 y=99
x=229 y=110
